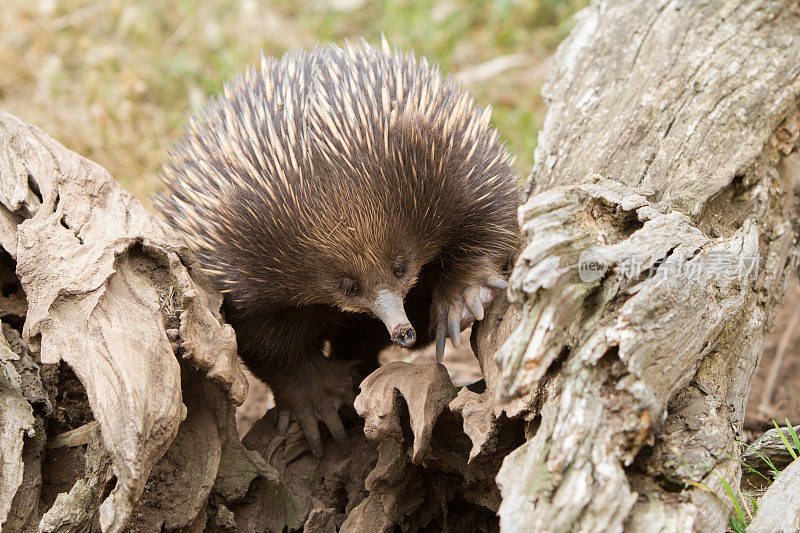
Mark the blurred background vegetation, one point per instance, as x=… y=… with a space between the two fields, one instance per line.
x=113 y=79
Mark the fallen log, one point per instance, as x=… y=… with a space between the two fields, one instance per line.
x=666 y=172
x=94 y=282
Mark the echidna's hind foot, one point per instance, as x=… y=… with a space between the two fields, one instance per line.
x=326 y=411
x=457 y=314
x=315 y=399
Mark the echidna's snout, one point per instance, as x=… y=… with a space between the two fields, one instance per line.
x=388 y=307
x=404 y=335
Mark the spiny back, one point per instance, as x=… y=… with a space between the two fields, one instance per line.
x=326 y=143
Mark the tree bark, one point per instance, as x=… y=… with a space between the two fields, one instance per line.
x=669 y=157
x=778 y=511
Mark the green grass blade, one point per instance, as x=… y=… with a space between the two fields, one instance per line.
x=754 y=471
x=793 y=433
x=736 y=526
x=769 y=463
x=729 y=490
x=785 y=441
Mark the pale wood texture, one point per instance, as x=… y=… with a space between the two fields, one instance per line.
x=671 y=139
x=102 y=280
x=778 y=511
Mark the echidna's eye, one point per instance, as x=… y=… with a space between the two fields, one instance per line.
x=349 y=287
x=399 y=269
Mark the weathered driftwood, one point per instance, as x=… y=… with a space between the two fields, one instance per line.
x=760 y=460
x=669 y=154
x=21 y=439
x=98 y=282
x=770 y=445
x=778 y=511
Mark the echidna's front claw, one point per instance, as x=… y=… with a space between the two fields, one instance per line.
x=496 y=282
x=454 y=319
x=457 y=315
x=472 y=297
x=441 y=339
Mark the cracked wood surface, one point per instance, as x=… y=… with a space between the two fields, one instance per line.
x=103 y=281
x=778 y=511
x=669 y=148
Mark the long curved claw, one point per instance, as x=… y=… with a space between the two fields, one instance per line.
x=457 y=315
x=454 y=323
x=283 y=421
x=330 y=417
x=472 y=297
x=496 y=282
x=326 y=412
x=308 y=422
x=441 y=338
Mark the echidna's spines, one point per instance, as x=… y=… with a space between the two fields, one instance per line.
x=316 y=143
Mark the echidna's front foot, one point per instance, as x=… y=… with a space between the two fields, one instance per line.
x=456 y=314
x=316 y=398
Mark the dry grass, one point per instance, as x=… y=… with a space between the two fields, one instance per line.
x=112 y=79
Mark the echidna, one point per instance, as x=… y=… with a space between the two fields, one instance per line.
x=327 y=189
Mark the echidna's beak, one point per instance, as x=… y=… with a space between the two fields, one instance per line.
x=388 y=307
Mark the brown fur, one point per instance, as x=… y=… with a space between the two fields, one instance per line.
x=355 y=163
